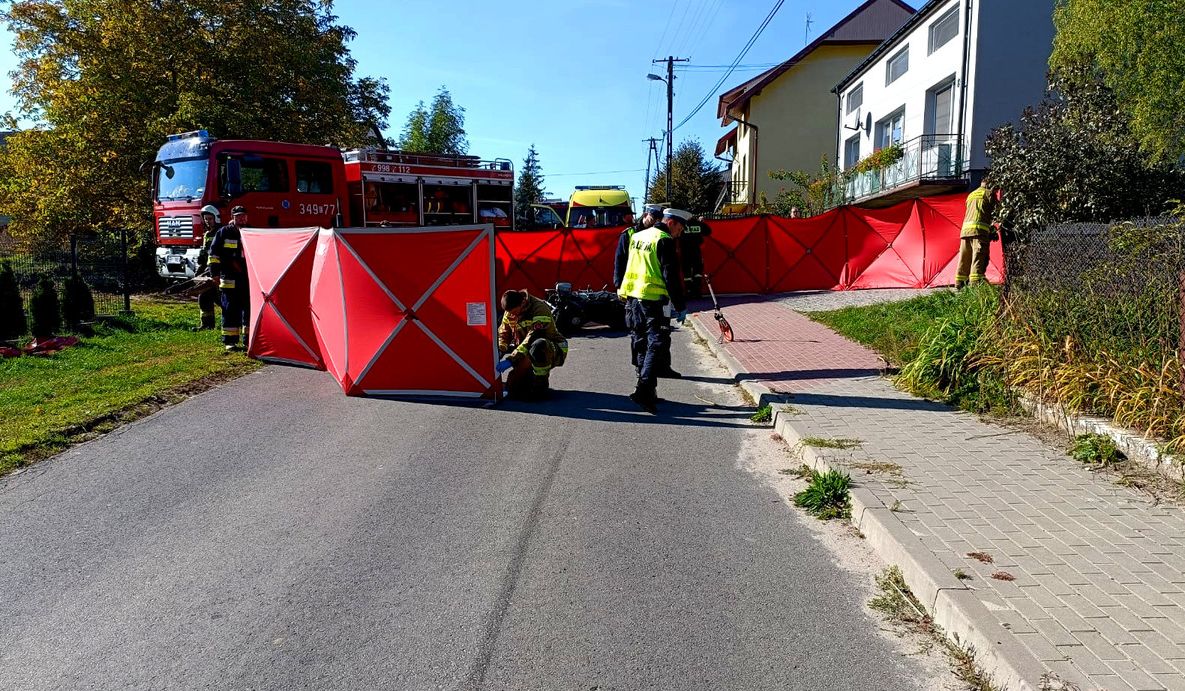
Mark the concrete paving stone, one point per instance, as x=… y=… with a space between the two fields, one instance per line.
x=1129 y=621
x=1135 y=604
x=1109 y=682
x=1112 y=630
x=1171 y=682
x=1174 y=573
x=1172 y=626
x=1070 y=621
x=1042 y=649
x=1082 y=606
x=1098 y=645
x=1121 y=574
x=1150 y=595
x=1055 y=632
x=1160 y=645
x=1086 y=661
x=1135 y=677
x=1147 y=660
x=1027 y=607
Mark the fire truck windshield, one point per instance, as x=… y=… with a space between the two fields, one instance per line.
x=182 y=179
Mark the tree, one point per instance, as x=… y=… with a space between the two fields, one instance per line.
x=438 y=130
x=695 y=184
x=1074 y=158
x=812 y=193
x=530 y=186
x=12 y=308
x=105 y=82
x=78 y=303
x=45 y=310
x=1139 y=50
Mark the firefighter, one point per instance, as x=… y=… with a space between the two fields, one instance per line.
x=977 y=235
x=691 y=253
x=229 y=267
x=651 y=214
x=654 y=294
x=207 y=298
x=530 y=344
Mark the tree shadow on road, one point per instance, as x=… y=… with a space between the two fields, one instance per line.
x=607 y=407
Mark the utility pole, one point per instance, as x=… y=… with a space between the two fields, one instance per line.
x=652 y=155
x=670 y=80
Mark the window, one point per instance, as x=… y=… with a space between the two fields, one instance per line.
x=897 y=66
x=944 y=29
x=891 y=130
x=855 y=98
x=940 y=105
x=263 y=174
x=851 y=152
x=314 y=177
x=181 y=179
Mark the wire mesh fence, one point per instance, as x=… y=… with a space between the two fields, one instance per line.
x=106 y=265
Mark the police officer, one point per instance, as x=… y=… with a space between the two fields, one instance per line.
x=977 y=234
x=690 y=249
x=653 y=290
x=651 y=214
x=531 y=345
x=206 y=299
x=228 y=266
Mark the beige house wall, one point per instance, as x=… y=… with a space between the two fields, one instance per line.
x=795 y=118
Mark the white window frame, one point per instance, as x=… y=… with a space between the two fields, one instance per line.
x=901 y=55
x=951 y=15
x=887 y=126
x=848 y=159
x=932 y=105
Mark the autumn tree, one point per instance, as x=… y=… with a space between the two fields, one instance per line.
x=1138 y=49
x=530 y=185
x=105 y=82
x=695 y=184
x=439 y=129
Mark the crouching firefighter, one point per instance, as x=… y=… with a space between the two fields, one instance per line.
x=530 y=344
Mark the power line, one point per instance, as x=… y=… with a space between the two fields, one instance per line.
x=596 y=172
x=740 y=56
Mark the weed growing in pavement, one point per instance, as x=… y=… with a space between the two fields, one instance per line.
x=825 y=443
x=878 y=467
x=962 y=575
x=802 y=472
x=899 y=605
x=1096 y=450
x=827 y=496
x=764 y=414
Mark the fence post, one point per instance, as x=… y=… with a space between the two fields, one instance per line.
x=127 y=291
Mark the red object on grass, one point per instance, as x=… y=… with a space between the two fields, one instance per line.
x=50 y=346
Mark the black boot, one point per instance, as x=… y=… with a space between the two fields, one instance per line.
x=646 y=398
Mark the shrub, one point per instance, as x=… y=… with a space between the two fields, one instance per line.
x=78 y=304
x=44 y=309
x=12 y=309
x=827 y=495
x=1096 y=450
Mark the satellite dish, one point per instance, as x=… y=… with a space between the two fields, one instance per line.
x=868 y=124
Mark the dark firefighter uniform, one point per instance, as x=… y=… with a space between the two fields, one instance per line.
x=653 y=288
x=691 y=244
x=976 y=236
x=206 y=299
x=229 y=267
x=534 y=346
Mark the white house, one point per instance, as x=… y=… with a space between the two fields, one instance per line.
x=951 y=74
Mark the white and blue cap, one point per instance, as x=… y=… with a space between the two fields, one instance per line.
x=680 y=214
x=652 y=209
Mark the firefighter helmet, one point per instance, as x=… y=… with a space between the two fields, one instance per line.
x=212 y=210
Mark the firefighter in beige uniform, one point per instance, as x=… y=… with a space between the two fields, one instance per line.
x=977 y=235
x=530 y=344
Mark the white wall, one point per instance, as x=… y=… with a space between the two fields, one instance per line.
x=909 y=90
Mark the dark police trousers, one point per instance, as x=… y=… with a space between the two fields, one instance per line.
x=650 y=340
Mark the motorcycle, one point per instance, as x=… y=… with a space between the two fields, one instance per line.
x=572 y=310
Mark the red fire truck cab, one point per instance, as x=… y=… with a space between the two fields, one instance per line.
x=286 y=185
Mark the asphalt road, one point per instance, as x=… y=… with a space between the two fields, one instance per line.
x=275 y=534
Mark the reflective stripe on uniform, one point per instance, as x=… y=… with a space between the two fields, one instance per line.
x=227 y=283
x=976 y=222
x=231 y=330
x=229 y=244
x=213 y=259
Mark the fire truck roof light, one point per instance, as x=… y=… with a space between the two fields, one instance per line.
x=186 y=135
x=600 y=187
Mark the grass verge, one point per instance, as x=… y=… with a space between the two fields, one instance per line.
x=827 y=496
x=827 y=443
x=129 y=368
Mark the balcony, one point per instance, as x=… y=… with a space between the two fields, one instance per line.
x=930 y=164
x=733 y=197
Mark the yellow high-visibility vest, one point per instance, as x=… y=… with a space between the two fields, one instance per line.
x=977 y=222
x=643 y=276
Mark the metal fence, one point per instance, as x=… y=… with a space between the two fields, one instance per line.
x=109 y=267
x=1113 y=288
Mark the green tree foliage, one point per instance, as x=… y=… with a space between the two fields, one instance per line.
x=436 y=130
x=1139 y=49
x=1074 y=158
x=12 y=308
x=811 y=192
x=105 y=82
x=78 y=303
x=695 y=184
x=530 y=185
x=45 y=309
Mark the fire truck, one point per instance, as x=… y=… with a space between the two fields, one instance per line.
x=286 y=185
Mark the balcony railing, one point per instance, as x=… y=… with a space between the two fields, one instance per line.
x=733 y=192
x=930 y=157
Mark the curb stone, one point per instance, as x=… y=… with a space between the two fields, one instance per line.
x=953 y=605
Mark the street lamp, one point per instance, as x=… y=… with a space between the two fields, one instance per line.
x=670 y=81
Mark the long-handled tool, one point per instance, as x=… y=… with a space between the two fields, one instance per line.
x=725 y=328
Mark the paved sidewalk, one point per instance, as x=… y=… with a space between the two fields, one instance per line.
x=1099 y=590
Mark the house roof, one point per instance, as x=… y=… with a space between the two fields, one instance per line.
x=890 y=42
x=723 y=142
x=869 y=23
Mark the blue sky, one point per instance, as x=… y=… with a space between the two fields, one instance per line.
x=567 y=75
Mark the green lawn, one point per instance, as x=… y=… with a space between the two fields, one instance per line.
x=129 y=368
x=894 y=329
